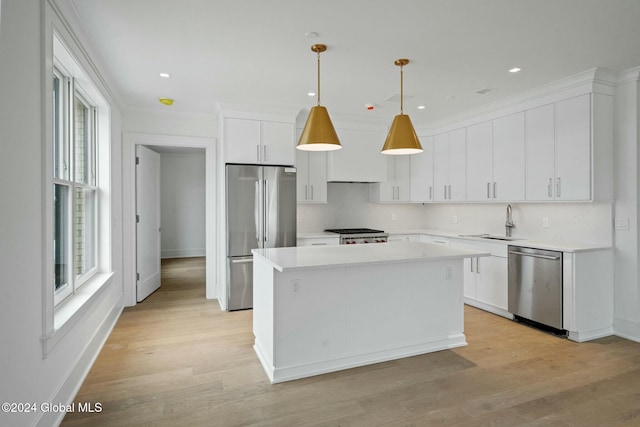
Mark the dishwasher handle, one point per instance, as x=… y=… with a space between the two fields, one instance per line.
x=534 y=255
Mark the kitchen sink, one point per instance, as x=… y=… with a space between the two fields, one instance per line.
x=490 y=236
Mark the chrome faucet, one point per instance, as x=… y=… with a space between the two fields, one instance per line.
x=509 y=224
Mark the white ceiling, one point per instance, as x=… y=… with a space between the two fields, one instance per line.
x=256 y=52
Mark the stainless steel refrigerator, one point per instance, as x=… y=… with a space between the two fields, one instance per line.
x=261 y=213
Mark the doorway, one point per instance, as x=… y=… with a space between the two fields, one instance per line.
x=170 y=201
x=177 y=146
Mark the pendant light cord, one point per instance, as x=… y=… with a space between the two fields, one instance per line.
x=401 y=92
x=318 y=78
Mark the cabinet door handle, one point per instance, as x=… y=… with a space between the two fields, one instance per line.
x=306 y=192
x=398 y=193
x=258 y=152
x=478 y=265
x=488 y=190
x=311 y=186
x=264 y=150
x=558 y=187
x=549 y=185
x=445 y=191
x=495 y=190
x=449 y=192
x=430 y=192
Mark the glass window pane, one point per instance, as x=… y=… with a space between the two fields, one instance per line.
x=82 y=137
x=61 y=237
x=85 y=230
x=60 y=161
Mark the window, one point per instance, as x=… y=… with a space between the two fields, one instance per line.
x=75 y=192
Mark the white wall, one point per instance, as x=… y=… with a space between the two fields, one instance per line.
x=627 y=175
x=182 y=203
x=170 y=123
x=25 y=375
x=168 y=129
x=579 y=222
x=348 y=206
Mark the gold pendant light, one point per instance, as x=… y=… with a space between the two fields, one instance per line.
x=318 y=133
x=402 y=138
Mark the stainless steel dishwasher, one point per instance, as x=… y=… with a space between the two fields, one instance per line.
x=535 y=286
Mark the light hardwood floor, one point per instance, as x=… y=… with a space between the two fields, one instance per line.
x=177 y=360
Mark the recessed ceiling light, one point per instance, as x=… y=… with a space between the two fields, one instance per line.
x=311 y=34
x=421 y=107
x=165 y=75
x=311 y=94
x=515 y=70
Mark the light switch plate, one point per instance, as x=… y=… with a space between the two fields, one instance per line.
x=545 y=222
x=622 y=224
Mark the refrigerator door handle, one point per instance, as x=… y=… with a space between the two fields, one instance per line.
x=266 y=210
x=243 y=260
x=256 y=212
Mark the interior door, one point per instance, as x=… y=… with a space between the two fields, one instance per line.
x=148 y=222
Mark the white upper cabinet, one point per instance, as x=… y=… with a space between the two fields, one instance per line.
x=573 y=149
x=397 y=186
x=359 y=160
x=508 y=158
x=449 y=170
x=495 y=160
x=421 y=186
x=258 y=142
x=311 y=180
x=479 y=162
x=278 y=143
x=540 y=153
x=559 y=147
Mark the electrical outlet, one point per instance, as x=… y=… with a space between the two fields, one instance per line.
x=295 y=285
x=393 y=217
x=455 y=219
x=545 y=222
x=447 y=273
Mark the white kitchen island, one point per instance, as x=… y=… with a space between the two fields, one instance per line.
x=319 y=309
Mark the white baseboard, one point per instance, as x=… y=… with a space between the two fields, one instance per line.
x=67 y=392
x=182 y=253
x=590 y=334
x=628 y=329
x=289 y=373
x=488 y=307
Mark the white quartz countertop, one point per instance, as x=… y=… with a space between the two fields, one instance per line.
x=309 y=257
x=562 y=246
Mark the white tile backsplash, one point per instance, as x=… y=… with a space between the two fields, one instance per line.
x=348 y=206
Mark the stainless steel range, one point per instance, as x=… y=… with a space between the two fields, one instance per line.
x=354 y=236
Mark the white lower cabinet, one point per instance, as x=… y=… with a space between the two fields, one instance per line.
x=486 y=278
x=587 y=294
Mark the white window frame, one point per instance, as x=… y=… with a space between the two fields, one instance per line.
x=72 y=91
x=62 y=52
